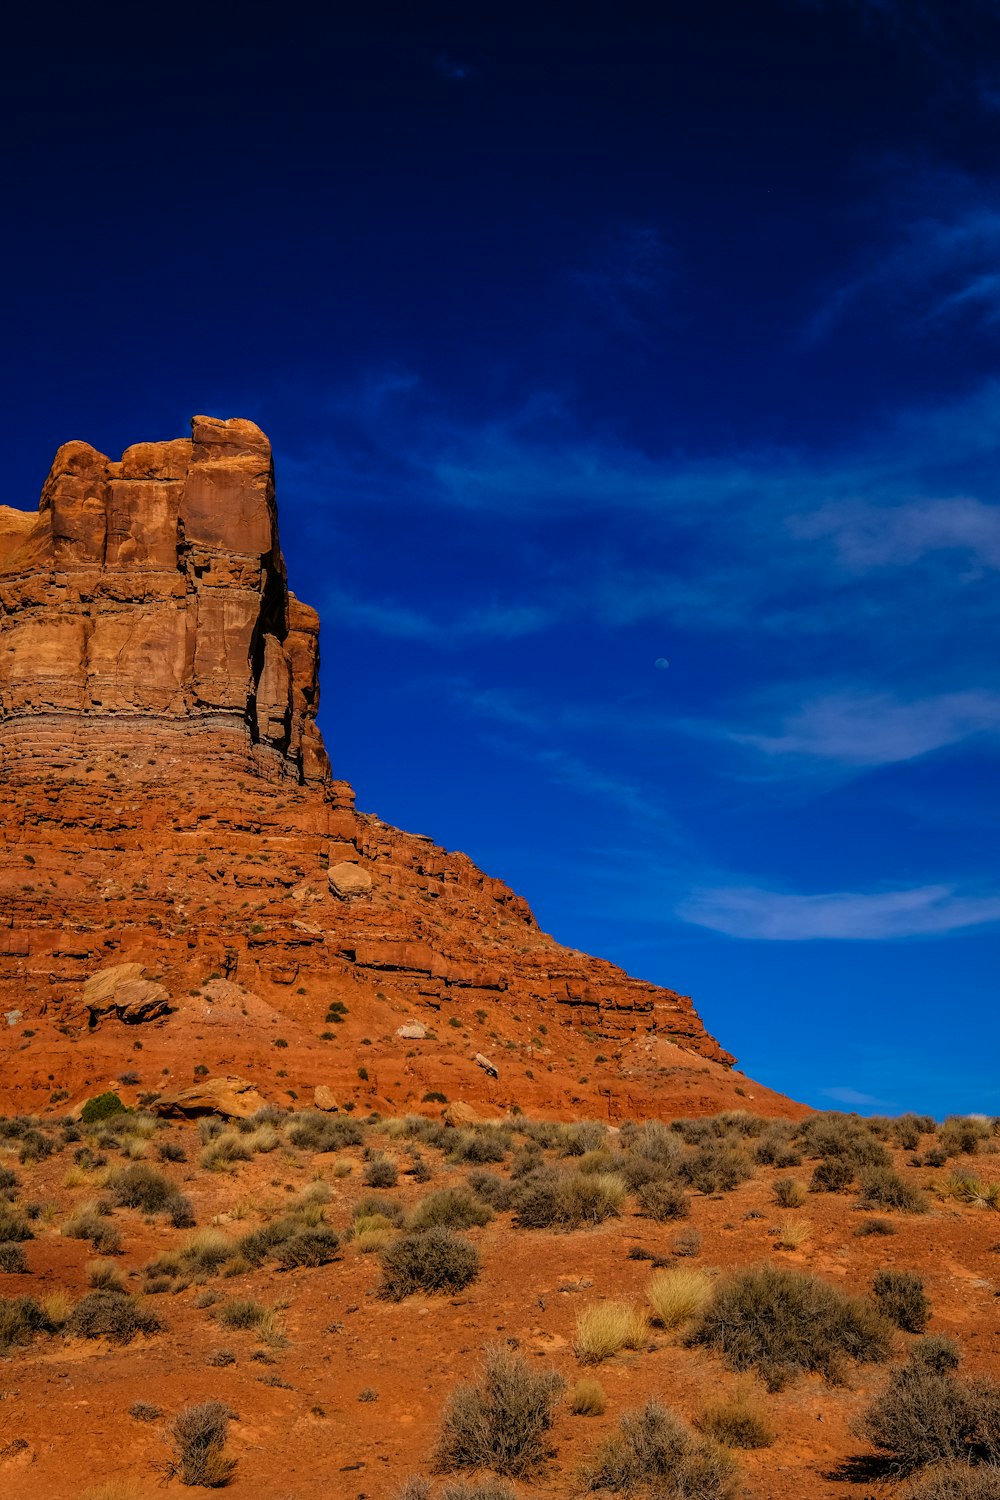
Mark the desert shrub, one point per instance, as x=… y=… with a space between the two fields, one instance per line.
x=309 y=1247
x=104 y=1276
x=428 y=1260
x=900 y=1295
x=717 y=1168
x=144 y=1411
x=775 y=1147
x=241 y=1312
x=226 y=1148
x=604 y=1328
x=112 y=1315
x=845 y=1136
x=662 y=1201
x=925 y=1415
x=171 y=1151
x=789 y=1192
x=636 y=1171
x=492 y=1189
x=686 y=1242
x=487 y=1144
x=956 y=1481
x=474 y=1489
x=180 y=1211
x=199 y=1436
x=963 y=1135
x=314 y=1131
x=874 y=1226
x=583 y=1136
x=972 y=1190
x=676 y=1295
x=654 y=1449
x=451 y=1208
x=501 y=1423
x=568 y=1200
x=13 y=1225
x=526 y=1161
x=380 y=1172
x=792 y=1233
x=13 y=1259
x=8 y=1181
x=781 y=1322
x=907 y=1130
x=35 y=1146
x=88 y=1223
x=259 y=1245
x=587 y=1398
x=656 y=1142
x=386 y=1208
x=204 y=1254
x=834 y=1174
x=936 y=1352
x=20 y=1319
x=881 y=1187
x=141 y=1186
x=101 y=1107
x=736 y=1421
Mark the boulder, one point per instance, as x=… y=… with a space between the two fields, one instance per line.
x=486 y=1065
x=323 y=1099
x=349 y=881
x=122 y=994
x=458 y=1113
x=232 y=1098
x=412 y=1032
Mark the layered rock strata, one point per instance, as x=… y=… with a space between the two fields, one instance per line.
x=169 y=824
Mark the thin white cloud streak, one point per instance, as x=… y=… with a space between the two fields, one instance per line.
x=753 y=912
x=402 y=622
x=865 y=729
x=844 y=1094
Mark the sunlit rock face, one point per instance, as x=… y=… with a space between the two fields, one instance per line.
x=146 y=600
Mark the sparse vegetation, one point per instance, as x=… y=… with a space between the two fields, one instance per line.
x=653 y=1450
x=429 y=1260
x=900 y=1295
x=677 y=1294
x=501 y=1423
x=199 y=1435
x=604 y=1328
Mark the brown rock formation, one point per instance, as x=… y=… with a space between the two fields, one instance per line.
x=167 y=804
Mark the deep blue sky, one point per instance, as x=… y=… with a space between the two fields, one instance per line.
x=591 y=337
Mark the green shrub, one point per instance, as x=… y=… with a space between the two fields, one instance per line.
x=654 y=1450
x=112 y=1315
x=782 y=1322
x=502 y=1423
x=101 y=1107
x=900 y=1296
x=452 y=1208
x=429 y=1260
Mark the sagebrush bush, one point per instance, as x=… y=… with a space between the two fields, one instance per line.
x=13 y=1260
x=654 y=1451
x=677 y=1294
x=587 y=1398
x=20 y=1319
x=717 y=1168
x=936 y=1352
x=487 y=1143
x=568 y=1200
x=380 y=1172
x=502 y=1422
x=956 y=1481
x=386 y=1208
x=313 y=1246
x=492 y=1189
x=781 y=1322
x=141 y=1186
x=13 y=1225
x=88 y=1223
x=449 y=1208
x=881 y=1187
x=789 y=1192
x=314 y=1131
x=662 y=1201
x=874 y=1226
x=604 y=1328
x=428 y=1260
x=845 y=1136
x=834 y=1174
x=112 y=1315
x=900 y=1295
x=225 y=1149
x=199 y=1434
x=963 y=1135
x=925 y=1415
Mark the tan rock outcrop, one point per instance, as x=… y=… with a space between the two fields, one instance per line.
x=232 y=1098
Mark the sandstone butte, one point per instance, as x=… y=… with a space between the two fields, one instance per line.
x=189 y=899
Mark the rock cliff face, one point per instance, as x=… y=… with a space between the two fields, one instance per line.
x=147 y=600
x=184 y=887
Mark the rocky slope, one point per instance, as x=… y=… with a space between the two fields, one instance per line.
x=170 y=824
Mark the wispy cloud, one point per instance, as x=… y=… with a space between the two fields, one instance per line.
x=496 y=621
x=844 y=1094
x=627 y=276
x=855 y=916
x=876 y=729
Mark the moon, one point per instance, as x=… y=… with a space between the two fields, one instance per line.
x=661 y=664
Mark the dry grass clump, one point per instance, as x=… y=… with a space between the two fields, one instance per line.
x=20 y=1319
x=793 y=1233
x=781 y=1323
x=900 y=1295
x=789 y=1192
x=604 y=1328
x=199 y=1435
x=502 y=1423
x=677 y=1294
x=225 y=1150
x=737 y=1420
x=13 y=1225
x=104 y=1276
x=654 y=1450
x=87 y=1222
x=116 y=1489
x=429 y=1260
x=587 y=1398
x=245 y=1313
x=926 y=1416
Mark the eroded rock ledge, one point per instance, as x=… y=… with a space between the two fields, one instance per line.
x=153 y=591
